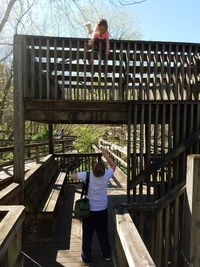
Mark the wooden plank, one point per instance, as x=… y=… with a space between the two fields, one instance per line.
x=135 y=252
x=52 y=200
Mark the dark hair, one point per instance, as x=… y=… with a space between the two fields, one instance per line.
x=98 y=169
x=104 y=23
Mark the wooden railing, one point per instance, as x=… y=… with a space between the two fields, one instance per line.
x=160 y=226
x=130 y=249
x=55 y=67
x=34 y=151
x=11 y=221
x=76 y=162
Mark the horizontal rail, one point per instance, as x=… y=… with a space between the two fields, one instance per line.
x=131 y=251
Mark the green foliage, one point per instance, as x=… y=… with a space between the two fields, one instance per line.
x=41 y=136
x=87 y=136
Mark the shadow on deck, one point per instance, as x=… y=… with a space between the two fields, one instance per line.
x=65 y=248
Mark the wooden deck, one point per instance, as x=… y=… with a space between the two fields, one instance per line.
x=65 y=249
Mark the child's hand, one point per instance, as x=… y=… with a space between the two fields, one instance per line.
x=91 y=42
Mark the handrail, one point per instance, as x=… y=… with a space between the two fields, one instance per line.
x=131 y=250
x=159 y=204
x=35 y=146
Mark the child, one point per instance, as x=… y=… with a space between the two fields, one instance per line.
x=101 y=32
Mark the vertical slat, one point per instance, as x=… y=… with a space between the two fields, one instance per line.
x=176 y=93
x=113 y=74
x=91 y=89
x=126 y=82
x=134 y=92
x=40 y=69
x=85 y=70
x=148 y=71
x=176 y=141
x=169 y=74
x=63 y=69
x=176 y=232
x=70 y=71
x=141 y=90
x=134 y=165
x=170 y=136
x=99 y=70
x=162 y=60
x=163 y=147
x=159 y=236
x=191 y=125
x=33 y=95
x=182 y=71
x=25 y=67
x=155 y=72
x=120 y=71
x=141 y=145
x=167 y=234
x=107 y=93
x=55 y=95
x=48 y=68
x=148 y=148
x=77 y=62
x=189 y=92
x=129 y=150
x=157 y=109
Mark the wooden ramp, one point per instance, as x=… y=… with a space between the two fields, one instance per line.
x=65 y=249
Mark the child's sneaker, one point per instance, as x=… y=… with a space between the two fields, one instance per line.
x=107 y=259
x=85 y=260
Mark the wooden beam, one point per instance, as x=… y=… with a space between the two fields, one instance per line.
x=19 y=127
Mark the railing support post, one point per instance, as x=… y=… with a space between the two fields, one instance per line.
x=51 y=148
x=191 y=217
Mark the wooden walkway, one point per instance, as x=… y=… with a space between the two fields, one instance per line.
x=65 y=249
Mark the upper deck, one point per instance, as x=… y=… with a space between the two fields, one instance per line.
x=57 y=68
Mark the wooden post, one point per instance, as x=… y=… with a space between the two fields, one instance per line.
x=191 y=217
x=19 y=122
x=51 y=148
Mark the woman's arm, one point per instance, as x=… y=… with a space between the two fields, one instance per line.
x=109 y=160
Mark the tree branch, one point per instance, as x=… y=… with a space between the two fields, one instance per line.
x=7 y=13
x=123 y=3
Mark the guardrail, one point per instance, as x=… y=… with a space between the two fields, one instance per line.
x=130 y=248
x=34 y=151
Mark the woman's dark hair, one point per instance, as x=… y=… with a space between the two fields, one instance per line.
x=103 y=23
x=98 y=169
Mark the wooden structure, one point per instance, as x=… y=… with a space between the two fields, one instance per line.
x=152 y=87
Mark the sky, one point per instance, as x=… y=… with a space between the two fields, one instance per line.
x=169 y=20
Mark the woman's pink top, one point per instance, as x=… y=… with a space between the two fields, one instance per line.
x=105 y=35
